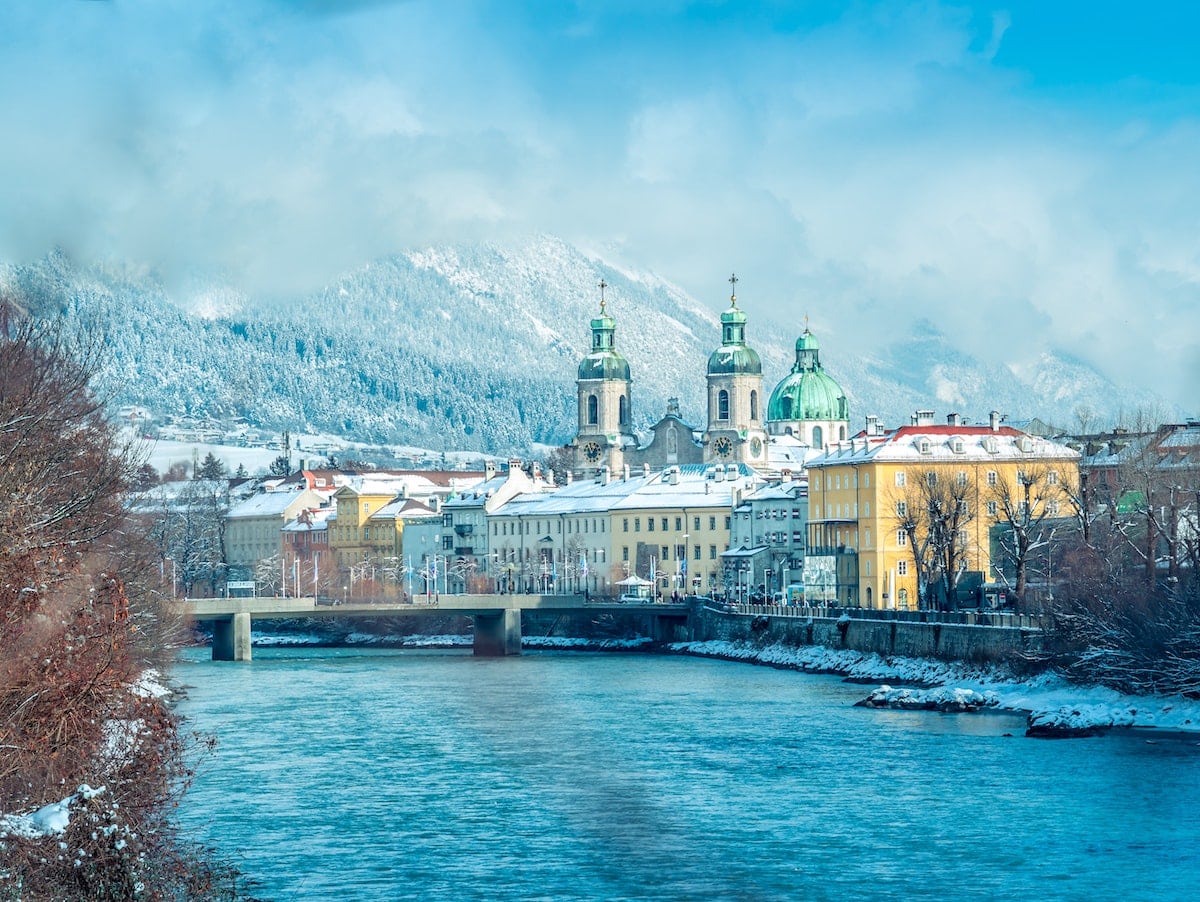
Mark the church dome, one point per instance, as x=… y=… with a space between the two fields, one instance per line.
x=605 y=361
x=604 y=365
x=808 y=392
x=734 y=357
x=734 y=360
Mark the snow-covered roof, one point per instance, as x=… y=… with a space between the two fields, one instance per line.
x=404 y=507
x=943 y=444
x=264 y=504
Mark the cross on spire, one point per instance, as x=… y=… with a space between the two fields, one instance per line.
x=733 y=280
x=602 y=286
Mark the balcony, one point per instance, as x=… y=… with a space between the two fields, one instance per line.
x=464 y=529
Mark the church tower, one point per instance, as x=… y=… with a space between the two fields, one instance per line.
x=603 y=391
x=735 y=431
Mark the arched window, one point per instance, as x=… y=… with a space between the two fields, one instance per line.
x=593 y=412
x=841 y=433
x=722 y=405
x=818 y=437
x=753 y=406
x=623 y=410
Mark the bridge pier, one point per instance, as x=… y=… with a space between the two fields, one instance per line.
x=231 y=638
x=498 y=633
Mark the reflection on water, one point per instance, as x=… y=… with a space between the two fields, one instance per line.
x=430 y=774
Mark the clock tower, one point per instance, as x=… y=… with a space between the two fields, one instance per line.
x=603 y=391
x=735 y=432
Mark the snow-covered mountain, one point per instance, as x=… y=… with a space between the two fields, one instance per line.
x=475 y=348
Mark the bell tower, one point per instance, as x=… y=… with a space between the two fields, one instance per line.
x=603 y=390
x=735 y=432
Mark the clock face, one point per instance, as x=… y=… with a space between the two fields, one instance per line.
x=723 y=446
x=755 y=447
x=592 y=451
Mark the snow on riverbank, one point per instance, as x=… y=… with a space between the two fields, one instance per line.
x=1053 y=704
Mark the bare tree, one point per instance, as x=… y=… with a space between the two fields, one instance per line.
x=1024 y=502
x=933 y=509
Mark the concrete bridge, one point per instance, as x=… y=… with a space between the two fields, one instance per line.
x=497 y=617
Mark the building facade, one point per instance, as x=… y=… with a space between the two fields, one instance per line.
x=900 y=517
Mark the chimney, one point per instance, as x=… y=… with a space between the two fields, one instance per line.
x=646 y=469
x=953 y=419
x=673 y=476
x=625 y=473
x=923 y=418
x=570 y=477
x=994 y=420
x=489 y=469
x=872 y=424
x=786 y=475
x=604 y=476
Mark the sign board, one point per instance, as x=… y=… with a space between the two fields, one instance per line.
x=240 y=584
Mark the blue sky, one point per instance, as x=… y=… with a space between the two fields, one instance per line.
x=1022 y=174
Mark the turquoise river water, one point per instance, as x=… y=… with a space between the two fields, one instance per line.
x=354 y=774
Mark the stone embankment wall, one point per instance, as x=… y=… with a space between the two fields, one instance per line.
x=996 y=639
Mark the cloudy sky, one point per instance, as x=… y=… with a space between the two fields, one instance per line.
x=1023 y=174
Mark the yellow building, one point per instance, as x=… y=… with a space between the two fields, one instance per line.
x=906 y=517
x=671 y=526
x=353 y=535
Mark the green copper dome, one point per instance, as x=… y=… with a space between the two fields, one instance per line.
x=734 y=357
x=604 y=365
x=605 y=361
x=808 y=392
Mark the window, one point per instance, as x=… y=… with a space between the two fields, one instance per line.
x=679 y=524
x=991 y=477
x=623 y=410
x=637 y=524
x=593 y=410
x=923 y=445
x=722 y=405
x=901 y=509
x=625 y=553
x=931 y=478
x=868 y=569
x=902 y=568
x=712 y=552
x=726 y=522
x=649 y=524
x=964 y=508
x=712 y=522
x=695 y=552
x=666 y=553
x=447 y=519
x=866 y=508
x=837 y=481
x=961 y=479
x=625 y=524
x=901 y=478
x=866 y=480
x=956 y=445
x=664 y=524
x=1052 y=508
x=696 y=523
x=901 y=538
x=447 y=543
x=1052 y=477
x=991 y=508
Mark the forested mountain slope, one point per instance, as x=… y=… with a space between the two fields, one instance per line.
x=475 y=348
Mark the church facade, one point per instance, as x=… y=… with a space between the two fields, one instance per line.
x=742 y=425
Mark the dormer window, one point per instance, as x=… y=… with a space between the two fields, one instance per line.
x=923 y=445
x=956 y=445
x=989 y=444
x=1025 y=443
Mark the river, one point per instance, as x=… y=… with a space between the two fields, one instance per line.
x=355 y=774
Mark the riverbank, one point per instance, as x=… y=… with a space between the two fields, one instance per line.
x=1053 y=706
